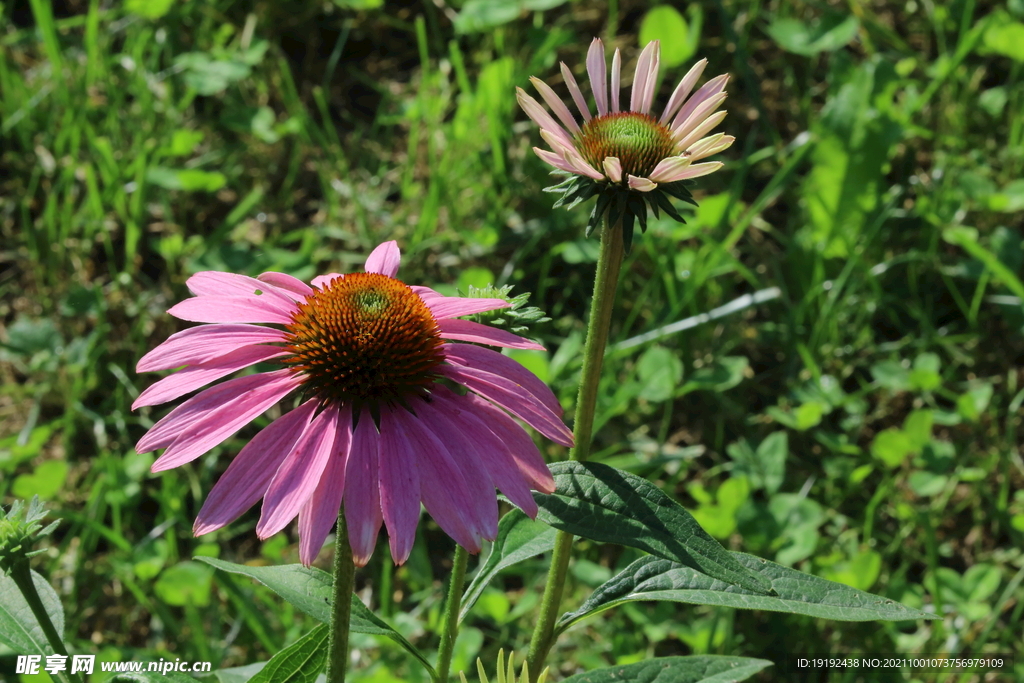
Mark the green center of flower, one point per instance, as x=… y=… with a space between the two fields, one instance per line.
x=364 y=337
x=637 y=140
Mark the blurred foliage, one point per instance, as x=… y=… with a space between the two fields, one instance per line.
x=861 y=424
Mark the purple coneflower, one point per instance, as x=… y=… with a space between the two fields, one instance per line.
x=376 y=426
x=629 y=158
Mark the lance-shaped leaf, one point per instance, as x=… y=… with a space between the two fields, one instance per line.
x=696 y=669
x=300 y=662
x=519 y=538
x=652 y=578
x=309 y=590
x=19 y=629
x=608 y=505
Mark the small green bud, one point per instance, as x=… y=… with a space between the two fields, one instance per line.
x=18 y=532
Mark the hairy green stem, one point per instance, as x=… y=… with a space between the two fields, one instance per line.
x=341 y=607
x=452 y=605
x=608 y=264
x=22 y=577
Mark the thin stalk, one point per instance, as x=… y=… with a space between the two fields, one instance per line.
x=607 y=277
x=452 y=605
x=341 y=607
x=22 y=576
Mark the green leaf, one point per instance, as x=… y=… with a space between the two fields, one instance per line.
x=1006 y=38
x=666 y=24
x=483 y=15
x=185 y=583
x=607 y=505
x=659 y=372
x=653 y=578
x=925 y=374
x=891 y=375
x=149 y=9
x=843 y=187
x=19 y=629
x=695 y=669
x=918 y=428
x=188 y=180
x=309 y=590
x=519 y=538
x=973 y=403
x=46 y=481
x=300 y=662
x=967 y=238
x=723 y=374
x=808 y=40
x=892 y=446
x=764 y=468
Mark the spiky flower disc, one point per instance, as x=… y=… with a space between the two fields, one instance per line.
x=628 y=158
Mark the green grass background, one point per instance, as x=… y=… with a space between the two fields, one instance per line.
x=858 y=421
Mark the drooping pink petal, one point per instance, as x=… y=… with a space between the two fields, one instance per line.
x=399 y=484
x=231 y=309
x=456 y=306
x=362 y=495
x=616 y=79
x=321 y=281
x=553 y=159
x=192 y=378
x=613 y=169
x=465 y=454
x=195 y=410
x=492 y=451
x=215 y=283
x=574 y=90
x=540 y=116
x=700 y=131
x=710 y=145
x=682 y=90
x=667 y=169
x=469 y=331
x=203 y=344
x=299 y=475
x=521 y=447
x=597 y=70
x=491 y=361
x=556 y=104
x=249 y=474
x=385 y=259
x=443 y=489
x=291 y=286
x=320 y=513
x=224 y=420
x=700 y=115
x=710 y=89
x=512 y=398
x=698 y=170
x=640 y=184
x=581 y=166
x=643 y=74
x=555 y=143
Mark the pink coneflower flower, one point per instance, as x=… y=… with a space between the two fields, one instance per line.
x=628 y=157
x=376 y=426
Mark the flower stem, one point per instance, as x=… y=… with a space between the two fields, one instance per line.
x=608 y=264
x=22 y=577
x=341 y=608
x=450 y=624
